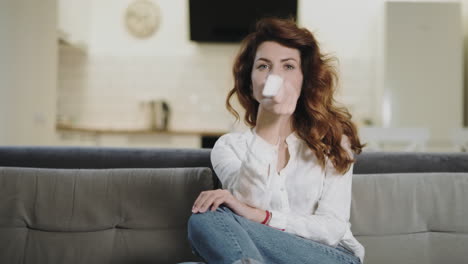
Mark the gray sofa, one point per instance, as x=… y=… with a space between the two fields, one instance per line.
x=126 y=205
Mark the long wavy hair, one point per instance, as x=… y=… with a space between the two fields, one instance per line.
x=317 y=119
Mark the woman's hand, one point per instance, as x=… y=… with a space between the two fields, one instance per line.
x=211 y=200
x=284 y=103
x=275 y=113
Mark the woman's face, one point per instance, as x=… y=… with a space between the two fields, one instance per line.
x=274 y=58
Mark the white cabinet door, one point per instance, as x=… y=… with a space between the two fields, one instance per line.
x=423 y=66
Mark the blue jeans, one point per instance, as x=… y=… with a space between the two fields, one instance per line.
x=225 y=237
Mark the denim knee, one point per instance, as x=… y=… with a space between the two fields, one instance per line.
x=203 y=221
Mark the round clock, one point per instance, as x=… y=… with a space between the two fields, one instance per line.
x=142 y=18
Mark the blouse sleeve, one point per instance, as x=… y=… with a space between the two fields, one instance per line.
x=247 y=173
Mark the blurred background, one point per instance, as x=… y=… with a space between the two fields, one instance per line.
x=155 y=73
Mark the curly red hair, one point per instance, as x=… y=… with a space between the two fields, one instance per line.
x=317 y=119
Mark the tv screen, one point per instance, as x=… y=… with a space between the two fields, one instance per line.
x=232 y=20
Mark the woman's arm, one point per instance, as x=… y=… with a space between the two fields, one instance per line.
x=245 y=171
x=274 y=114
x=269 y=126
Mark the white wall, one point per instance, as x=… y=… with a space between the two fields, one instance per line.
x=108 y=34
x=74 y=19
x=352 y=31
x=465 y=58
x=28 y=72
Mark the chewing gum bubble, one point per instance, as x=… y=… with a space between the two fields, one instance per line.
x=272 y=85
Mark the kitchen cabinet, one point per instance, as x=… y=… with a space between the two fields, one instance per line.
x=74 y=23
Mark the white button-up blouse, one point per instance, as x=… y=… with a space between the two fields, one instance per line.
x=304 y=199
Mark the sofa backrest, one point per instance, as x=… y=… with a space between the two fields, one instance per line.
x=95 y=216
x=102 y=157
x=106 y=157
x=411 y=217
x=411 y=207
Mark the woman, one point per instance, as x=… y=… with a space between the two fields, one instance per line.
x=287 y=180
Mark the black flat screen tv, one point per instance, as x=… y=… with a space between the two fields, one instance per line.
x=232 y=20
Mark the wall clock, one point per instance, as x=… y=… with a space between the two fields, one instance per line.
x=142 y=18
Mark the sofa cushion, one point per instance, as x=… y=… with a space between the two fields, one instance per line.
x=422 y=216
x=97 y=215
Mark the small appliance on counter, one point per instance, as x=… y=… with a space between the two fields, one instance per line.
x=159 y=114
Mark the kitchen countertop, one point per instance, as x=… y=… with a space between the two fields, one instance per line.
x=73 y=128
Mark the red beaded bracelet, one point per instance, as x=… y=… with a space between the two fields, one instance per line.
x=267 y=217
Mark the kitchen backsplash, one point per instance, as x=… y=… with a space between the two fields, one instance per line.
x=109 y=91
